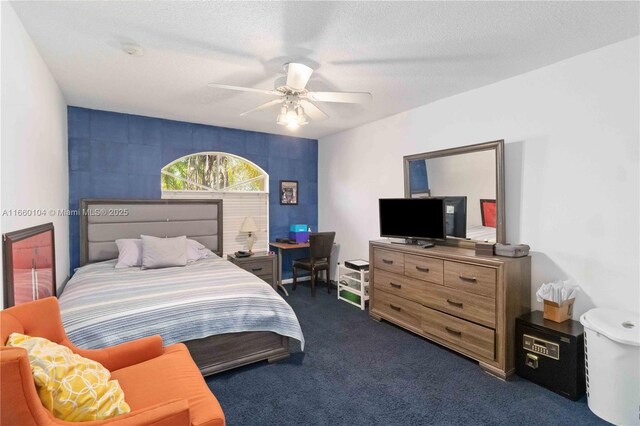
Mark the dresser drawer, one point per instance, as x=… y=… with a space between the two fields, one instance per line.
x=470 y=278
x=400 y=285
x=469 y=336
x=424 y=268
x=391 y=261
x=403 y=311
x=473 y=307
x=258 y=267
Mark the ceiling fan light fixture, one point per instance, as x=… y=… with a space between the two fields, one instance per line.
x=282 y=117
x=291 y=115
x=291 y=118
x=301 y=116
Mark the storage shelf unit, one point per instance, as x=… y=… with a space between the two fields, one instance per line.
x=355 y=282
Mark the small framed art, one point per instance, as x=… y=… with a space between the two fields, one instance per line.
x=29 y=265
x=289 y=192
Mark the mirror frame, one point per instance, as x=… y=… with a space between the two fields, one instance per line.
x=498 y=147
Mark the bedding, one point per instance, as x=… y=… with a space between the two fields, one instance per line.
x=104 y=306
x=197 y=251
x=129 y=252
x=481 y=233
x=163 y=252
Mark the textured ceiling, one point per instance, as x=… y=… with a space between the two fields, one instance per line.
x=405 y=54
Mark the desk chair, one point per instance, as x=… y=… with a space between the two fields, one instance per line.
x=320 y=247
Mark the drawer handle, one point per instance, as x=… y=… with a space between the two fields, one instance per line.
x=422 y=269
x=458 y=304
x=395 y=285
x=394 y=307
x=452 y=331
x=256 y=269
x=467 y=278
x=387 y=261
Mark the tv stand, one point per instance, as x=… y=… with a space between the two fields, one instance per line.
x=453 y=297
x=415 y=242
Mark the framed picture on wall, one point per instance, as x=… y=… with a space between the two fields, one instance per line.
x=29 y=264
x=289 y=192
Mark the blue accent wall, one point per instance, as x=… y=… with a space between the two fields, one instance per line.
x=114 y=155
x=419 y=181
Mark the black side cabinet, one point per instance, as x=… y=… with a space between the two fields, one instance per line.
x=551 y=354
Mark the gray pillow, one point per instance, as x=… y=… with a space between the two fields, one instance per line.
x=163 y=252
x=129 y=252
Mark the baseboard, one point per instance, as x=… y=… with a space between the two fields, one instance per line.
x=306 y=278
x=290 y=280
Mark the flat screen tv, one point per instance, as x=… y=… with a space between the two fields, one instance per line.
x=412 y=218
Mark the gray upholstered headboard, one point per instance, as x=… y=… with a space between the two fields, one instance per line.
x=102 y=222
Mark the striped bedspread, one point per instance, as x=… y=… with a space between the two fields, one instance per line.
x=103 y=306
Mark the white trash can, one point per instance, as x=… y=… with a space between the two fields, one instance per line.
x=612 y=362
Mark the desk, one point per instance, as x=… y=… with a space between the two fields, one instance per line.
x=285 y=246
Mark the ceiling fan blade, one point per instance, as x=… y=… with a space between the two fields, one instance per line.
x=245 y=89
x=343 y=97
x=313 y=111
x=263 y=106
x=298 y=75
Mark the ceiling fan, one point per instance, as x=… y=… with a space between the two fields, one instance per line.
x=295 y=100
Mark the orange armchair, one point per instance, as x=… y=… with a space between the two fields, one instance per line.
x=163 y=386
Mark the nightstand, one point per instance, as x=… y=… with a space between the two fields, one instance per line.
x=260 y=264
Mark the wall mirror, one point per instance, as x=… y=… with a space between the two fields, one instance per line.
x=471 y=180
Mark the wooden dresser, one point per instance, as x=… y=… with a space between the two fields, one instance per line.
x=465 y=302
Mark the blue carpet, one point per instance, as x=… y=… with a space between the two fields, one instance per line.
x=356 y=371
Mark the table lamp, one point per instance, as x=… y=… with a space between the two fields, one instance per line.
x=249 y=225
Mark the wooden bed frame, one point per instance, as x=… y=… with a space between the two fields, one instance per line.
x=212 y=354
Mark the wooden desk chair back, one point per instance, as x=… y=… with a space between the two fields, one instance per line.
x=320 y=247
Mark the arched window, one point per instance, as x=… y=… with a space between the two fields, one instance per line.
x=242 y=185
x=213 y=172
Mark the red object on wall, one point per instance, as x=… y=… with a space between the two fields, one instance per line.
x=29 y=265
x=488 y=211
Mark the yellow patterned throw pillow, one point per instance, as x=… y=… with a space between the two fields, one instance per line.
x=73 y=388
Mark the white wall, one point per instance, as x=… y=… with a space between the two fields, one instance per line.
x=33 y=139
x=572 y=168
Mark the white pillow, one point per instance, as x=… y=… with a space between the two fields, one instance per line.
x=163 y=252
x=129 y=252
x=197 y=251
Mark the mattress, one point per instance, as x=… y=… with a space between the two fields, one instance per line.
x=102 y=306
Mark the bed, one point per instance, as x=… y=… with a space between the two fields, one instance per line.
x=226 y=316
x=481 y=233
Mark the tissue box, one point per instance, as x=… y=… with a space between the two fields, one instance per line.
x=512 y=250
x=298 y=228
x=558 y=312
x=299 y=237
